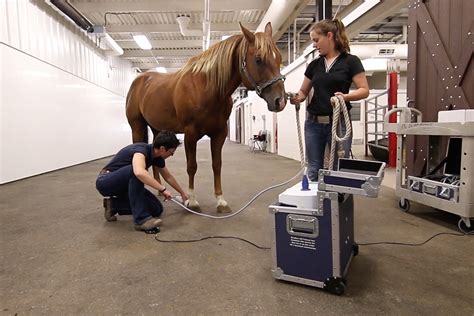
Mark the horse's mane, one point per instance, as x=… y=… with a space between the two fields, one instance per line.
x=216 y=62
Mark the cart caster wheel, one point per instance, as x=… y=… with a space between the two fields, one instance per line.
x=404 y=204
x=463 y=227
x=355 y=249
x=335 y=286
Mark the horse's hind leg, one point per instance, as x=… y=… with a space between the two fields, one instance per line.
x=139 y=130
x=156 y=173
x=217 y=141
x=190 y=141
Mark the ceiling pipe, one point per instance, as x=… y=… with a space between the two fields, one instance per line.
x=206 y=26
x=67 y=10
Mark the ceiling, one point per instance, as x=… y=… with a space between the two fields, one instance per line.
x=157 y=20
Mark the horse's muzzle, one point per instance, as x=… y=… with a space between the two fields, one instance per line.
x=280 y=104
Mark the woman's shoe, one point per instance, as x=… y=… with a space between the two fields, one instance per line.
x=149 y=224
x=109 y=213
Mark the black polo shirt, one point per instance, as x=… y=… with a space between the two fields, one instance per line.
x=337 y=79
x=125 y=155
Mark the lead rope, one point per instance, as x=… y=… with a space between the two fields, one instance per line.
x=300 y=138
x=339 y=105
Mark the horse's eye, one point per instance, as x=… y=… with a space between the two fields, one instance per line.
x=258 y=60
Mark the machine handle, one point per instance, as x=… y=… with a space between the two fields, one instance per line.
x=303 y=226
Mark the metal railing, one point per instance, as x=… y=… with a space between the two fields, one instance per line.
x=373 y=105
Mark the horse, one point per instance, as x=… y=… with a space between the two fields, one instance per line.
x=196 y=100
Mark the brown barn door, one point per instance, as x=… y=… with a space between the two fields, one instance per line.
x=440 y=67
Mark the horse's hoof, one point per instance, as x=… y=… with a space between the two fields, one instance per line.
x=223 y=209
x=195 y=208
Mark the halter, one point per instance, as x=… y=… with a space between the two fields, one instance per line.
x=260 y=87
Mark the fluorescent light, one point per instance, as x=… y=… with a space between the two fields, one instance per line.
x=359 y=11
x=113 y=44
x=161 y=69
x=142 y=41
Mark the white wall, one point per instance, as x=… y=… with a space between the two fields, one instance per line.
x=288 y=145
x=61 y=98
x=260 y=119
x=232 y=127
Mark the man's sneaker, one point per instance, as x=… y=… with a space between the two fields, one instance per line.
x=150 y=224
x=108 y=212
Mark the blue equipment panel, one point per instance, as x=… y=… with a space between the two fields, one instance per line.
x=315 y=246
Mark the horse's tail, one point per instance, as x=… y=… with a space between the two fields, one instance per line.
x=135 y=118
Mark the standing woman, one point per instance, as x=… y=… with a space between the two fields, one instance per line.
x=329 y=75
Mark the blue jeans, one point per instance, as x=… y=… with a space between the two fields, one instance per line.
x=316 y=136
x=131 y=194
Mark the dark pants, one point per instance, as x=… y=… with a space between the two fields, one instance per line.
x=317 y=135
x=131 y=194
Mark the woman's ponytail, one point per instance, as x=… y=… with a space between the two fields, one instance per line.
x=337 y=28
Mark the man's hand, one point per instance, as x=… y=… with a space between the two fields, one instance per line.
x=167 y=195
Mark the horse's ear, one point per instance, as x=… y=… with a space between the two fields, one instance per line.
x=268 y=29
x=248 y=35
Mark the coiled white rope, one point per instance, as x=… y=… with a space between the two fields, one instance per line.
x=339 y=106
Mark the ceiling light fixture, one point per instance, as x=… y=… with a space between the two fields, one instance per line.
x=142 y=41
x=161 y=69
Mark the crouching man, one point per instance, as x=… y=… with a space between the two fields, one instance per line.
x=122 y=181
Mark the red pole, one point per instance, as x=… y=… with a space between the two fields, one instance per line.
x=392 y=103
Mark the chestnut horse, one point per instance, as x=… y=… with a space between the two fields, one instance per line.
x=196 y=100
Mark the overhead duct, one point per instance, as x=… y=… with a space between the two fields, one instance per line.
x=281 y=14
x=380 y=50
x=183 y=22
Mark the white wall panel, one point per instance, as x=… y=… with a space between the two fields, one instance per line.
x=58 y=88
x=37 y=29
x=52 y=119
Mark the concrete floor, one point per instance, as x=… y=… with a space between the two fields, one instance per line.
x=59 y=256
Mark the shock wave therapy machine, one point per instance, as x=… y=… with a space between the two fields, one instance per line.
x=313 y=235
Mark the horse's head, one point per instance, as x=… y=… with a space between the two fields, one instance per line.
x=260 y=68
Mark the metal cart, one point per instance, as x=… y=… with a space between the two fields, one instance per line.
x=456 y=197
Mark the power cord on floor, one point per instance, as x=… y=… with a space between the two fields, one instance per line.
x=360 y=244
x=411 y=245
x=211 y=237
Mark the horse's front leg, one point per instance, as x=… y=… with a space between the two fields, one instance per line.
x=217 y=141
x=190 y=141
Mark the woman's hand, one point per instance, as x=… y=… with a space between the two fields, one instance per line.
x=295 y=98
x=337 y=94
